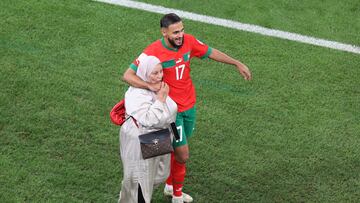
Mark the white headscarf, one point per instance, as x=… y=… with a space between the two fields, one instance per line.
x=146 y=66
x=137 y=100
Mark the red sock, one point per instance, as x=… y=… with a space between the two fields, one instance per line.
x=178 y=171
x=169 y=180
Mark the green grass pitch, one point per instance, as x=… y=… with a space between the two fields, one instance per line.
x=292 y=134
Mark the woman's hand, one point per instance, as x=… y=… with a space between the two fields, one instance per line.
x=163 y=92
x=153 y=86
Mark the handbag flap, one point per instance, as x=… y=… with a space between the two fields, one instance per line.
x=161 y=135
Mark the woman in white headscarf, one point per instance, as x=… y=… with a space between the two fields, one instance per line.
x=151 y=111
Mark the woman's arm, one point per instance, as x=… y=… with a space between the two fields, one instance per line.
x=147 y=112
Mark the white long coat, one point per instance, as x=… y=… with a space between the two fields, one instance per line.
x=151 y=115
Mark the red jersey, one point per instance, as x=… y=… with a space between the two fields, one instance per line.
x=176 y=67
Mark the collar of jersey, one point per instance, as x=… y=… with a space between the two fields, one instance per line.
x=166 y=46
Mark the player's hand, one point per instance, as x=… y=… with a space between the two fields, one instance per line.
x=154 y=86
x=163 y=92
x=244 y=71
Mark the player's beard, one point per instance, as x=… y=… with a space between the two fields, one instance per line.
x=172 y=42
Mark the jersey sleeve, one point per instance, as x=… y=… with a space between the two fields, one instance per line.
x=200 y=49
x=134 y=65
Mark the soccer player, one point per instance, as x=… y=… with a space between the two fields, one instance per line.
x=175 y=50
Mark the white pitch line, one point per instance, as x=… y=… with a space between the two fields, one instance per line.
x=237 y=25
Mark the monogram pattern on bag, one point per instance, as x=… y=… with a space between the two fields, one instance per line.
x=156 y=148
x=155 y=143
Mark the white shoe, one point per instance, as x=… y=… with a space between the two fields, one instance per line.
x=168 y=191
x=177 y=200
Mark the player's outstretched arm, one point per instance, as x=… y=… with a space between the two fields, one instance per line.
x=132 y=79
x=223 y=58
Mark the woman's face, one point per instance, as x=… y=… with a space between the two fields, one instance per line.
x=156 y=75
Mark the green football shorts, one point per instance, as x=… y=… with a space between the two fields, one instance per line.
x=185 y=124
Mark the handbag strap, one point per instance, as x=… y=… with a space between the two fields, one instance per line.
x=135 y=121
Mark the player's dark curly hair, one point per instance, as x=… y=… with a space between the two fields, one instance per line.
x=169 y=19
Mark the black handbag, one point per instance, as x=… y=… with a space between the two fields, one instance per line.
x=157 y=143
